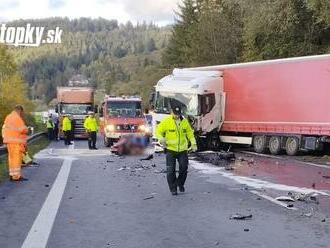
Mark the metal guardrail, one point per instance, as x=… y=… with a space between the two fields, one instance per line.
x=34 y=137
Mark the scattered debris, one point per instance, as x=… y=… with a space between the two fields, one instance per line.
x=149 y=157
x=323 y=220
x=240 y=217
x=110 y=161
x=285 y=199
x=153 y=165
x=217 y=158
x=70 y=198
x=46 y=185
x=160 y=171
x=258 y=198
x=308 y=214
x=217 y=243
x=246 y=229
x=3 y=198
x=124 y=167
x=148 y=197
x=290 y=205
x=326 y=177
x=313 y=185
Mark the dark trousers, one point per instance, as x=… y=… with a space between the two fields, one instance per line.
x=56 y=132
x=67 y=137
x=50 y=133
x=91 y=140
x=172 y=180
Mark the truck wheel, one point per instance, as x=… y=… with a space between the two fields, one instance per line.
x=259 y=144
x=292 y=146
x=275 y=145
x=107 y=142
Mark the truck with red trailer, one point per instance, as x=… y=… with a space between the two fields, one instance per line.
x=272 y=105
x=120 y=117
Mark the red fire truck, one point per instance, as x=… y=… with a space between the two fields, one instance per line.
x=121 y=116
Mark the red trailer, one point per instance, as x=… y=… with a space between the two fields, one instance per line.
x=275 y=105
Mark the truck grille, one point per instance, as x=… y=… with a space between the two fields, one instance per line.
x=79 y=127
x=127 y=127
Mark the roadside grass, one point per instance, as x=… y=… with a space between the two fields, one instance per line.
x=33 y=148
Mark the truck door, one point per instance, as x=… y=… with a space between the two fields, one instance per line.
x=212 y=112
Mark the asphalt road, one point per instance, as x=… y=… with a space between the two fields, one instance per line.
x=81 y=198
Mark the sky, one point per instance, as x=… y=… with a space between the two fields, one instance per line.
x=160 y=12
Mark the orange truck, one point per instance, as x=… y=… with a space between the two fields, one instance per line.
x=121 y=116
x=76 y=101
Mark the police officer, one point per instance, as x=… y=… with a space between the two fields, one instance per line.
x=173 y=133
x=67 y=128
x=91 y=127
x=50 y=127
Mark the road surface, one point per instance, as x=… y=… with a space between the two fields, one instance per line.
x=81 y=198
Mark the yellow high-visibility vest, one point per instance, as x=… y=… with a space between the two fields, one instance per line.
x=176 y=135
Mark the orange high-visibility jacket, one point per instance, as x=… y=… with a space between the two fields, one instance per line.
x=14 y=130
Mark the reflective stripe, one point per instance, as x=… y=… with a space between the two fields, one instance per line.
x=14 y=140
x=14 y=128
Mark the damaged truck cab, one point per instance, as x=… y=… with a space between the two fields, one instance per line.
x=121 y=116
x=275 y=105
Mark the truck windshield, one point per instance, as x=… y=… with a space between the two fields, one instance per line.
x=188 y=103
x=124 y=109
x=75 y=109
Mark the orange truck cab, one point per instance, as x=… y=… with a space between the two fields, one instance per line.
x=121 y=116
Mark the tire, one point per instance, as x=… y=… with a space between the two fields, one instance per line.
x=260 y=143
x=292 y=146
x=275 y=145
x=107 y=142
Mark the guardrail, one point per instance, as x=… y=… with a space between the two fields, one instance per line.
x=3 y=149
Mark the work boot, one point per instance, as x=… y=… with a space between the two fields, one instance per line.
x=174 y=193
x=21 y=179
x=181 y=189
x=95 y=148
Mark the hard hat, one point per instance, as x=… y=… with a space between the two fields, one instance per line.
x=90 y=112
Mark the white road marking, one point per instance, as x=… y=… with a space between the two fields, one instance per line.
x=273 y=200
x=42 y=226
x=253 y=182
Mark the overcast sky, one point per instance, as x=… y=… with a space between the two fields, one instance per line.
x=158 y=11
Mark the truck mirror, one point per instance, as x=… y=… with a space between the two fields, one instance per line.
x=96 y=108
x=152 y=99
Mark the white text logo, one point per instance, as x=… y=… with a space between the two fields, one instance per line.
x=29 y=35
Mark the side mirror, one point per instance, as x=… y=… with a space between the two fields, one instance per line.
x=152 y=99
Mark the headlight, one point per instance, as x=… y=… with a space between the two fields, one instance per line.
x=144 y=128
x=110 y=128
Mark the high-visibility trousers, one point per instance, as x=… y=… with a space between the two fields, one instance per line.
x=15 y=157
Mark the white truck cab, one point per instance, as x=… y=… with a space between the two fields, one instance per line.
x=200 y=94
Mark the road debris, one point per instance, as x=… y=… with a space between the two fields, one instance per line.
x=246 y=230
x=240 y=217
x=326 y=177
x=290 y=205
x=221 y=158
x=148 y=197
x=149 y=157
x=46 y=185
x=285 y=199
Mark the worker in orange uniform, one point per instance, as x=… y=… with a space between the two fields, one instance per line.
x=14 y=134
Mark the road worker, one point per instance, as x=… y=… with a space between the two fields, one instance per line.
x=174 y=133
x=14 y=133
x=50 y=127
x=91 y=127
x=67 y=128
